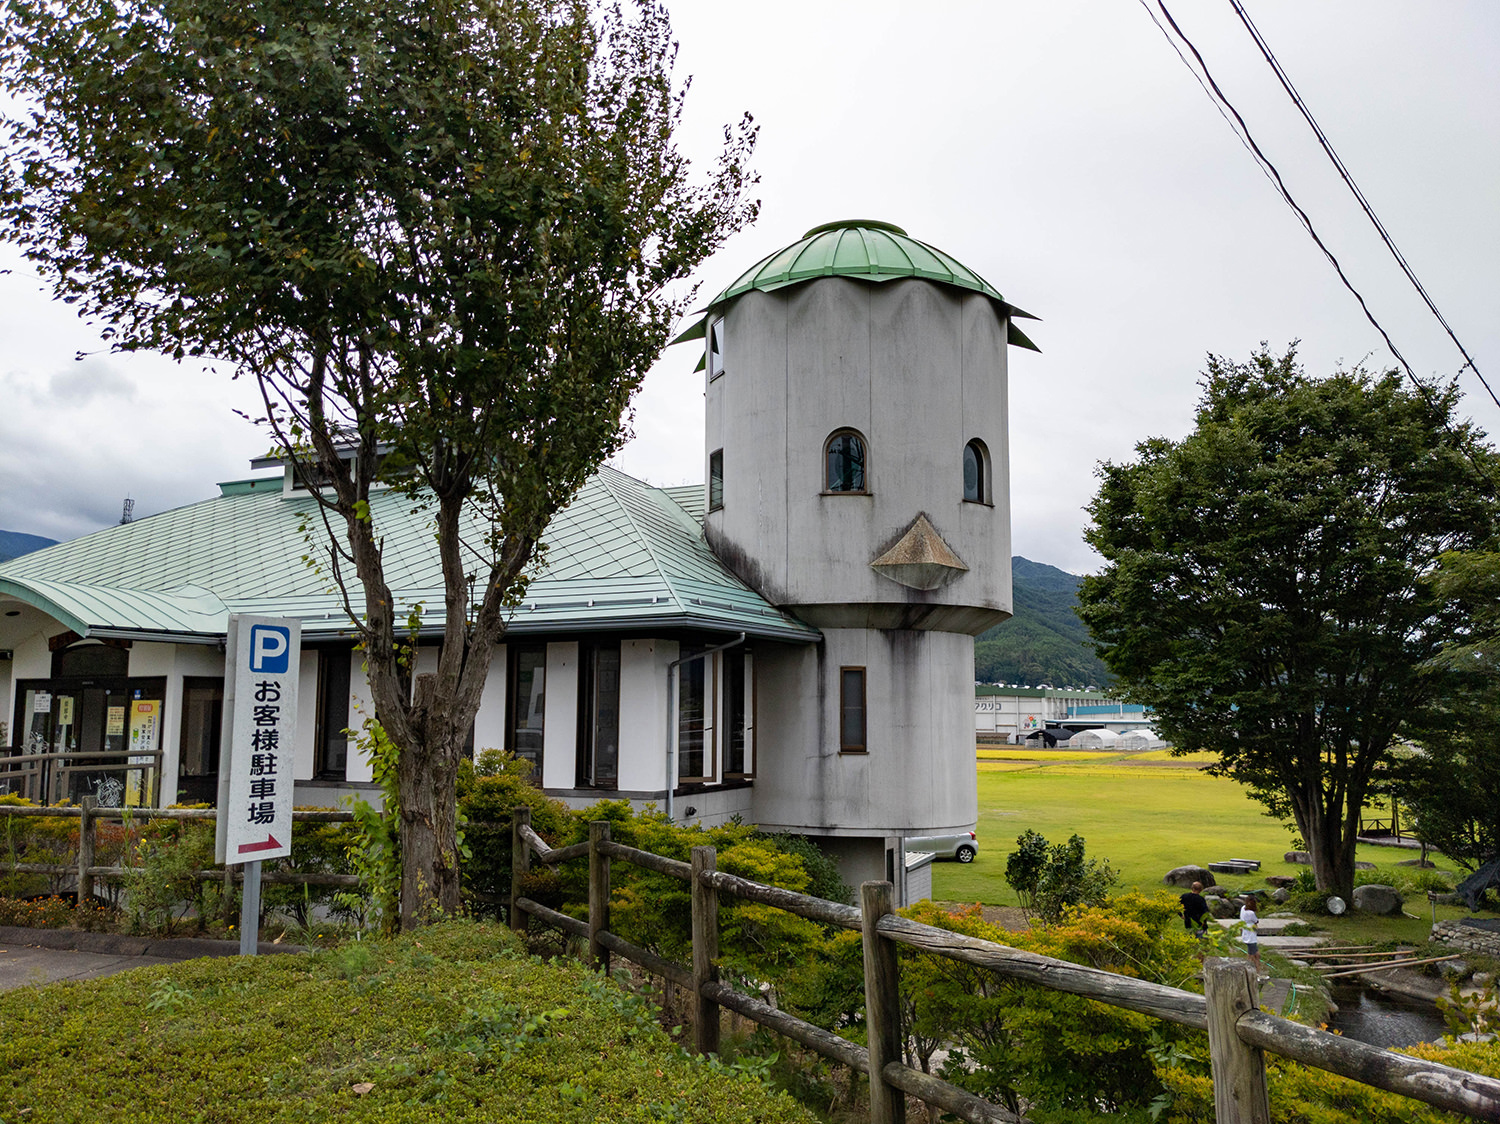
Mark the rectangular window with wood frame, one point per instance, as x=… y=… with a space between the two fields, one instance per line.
x=852 y=715
x=739 y=715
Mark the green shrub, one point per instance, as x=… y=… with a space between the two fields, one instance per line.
x=1302 y=1095
x=488 y=792
x=1017 y=1043
x=1049 y=879
x=453 y=1023
x=162 y=886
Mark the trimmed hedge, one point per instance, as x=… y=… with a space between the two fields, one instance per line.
x=454 y=1023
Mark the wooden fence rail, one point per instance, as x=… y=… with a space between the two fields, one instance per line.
x=90 y=814
x=1239 y=1033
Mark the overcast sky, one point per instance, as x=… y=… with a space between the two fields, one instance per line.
x=1059 y=149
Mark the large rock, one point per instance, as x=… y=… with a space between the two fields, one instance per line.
x=1299 y=857
x=1377 y=899
x=1185 y=876
x=1364 y=866
x=1279 y=880
x=1224 y=907
x=1280 y=894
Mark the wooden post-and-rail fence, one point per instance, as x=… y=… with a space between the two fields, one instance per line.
x=1239 y=1032
x=90 y=814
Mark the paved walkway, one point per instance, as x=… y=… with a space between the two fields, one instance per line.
x=32 y=957
x=21 y=966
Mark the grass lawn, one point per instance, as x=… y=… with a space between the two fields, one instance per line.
x=1144 y=812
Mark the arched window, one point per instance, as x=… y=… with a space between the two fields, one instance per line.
x=976 y=473
x=844 y=463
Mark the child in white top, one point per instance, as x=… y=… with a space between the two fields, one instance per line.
x=1248 y=935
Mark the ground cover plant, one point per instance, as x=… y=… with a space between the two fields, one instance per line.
x=456 y=1023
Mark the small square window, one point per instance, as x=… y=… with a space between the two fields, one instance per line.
x=716 y=480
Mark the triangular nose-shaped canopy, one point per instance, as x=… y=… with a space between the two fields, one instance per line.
x=921 y=559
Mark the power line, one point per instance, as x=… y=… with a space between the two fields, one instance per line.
x=1242 y=130
x=1327 y=145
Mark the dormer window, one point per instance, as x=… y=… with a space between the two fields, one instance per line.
x=845 y=465
x=715 y=348
x=976 y=473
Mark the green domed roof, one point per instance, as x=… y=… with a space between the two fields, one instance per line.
x=866 y=250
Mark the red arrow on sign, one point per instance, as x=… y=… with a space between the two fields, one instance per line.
x=269 y=845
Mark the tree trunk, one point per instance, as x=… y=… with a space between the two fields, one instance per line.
x=1332 y=850
x=427 y=781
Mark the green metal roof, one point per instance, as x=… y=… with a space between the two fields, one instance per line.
x=623 y=555
x=866 y=250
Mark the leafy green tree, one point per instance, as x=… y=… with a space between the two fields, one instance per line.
x=443 y=235
x=1265 y=587
x=1450 y=786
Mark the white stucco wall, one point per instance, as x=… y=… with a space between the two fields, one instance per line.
x=489 y=723
x=32 y=658
x=560 y=724
x=643 y=713
x=303 y=759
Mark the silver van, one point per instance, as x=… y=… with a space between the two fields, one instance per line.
x=962 y=846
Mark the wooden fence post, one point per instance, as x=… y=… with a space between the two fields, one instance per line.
x=520 y=864
x=598 y=893
x=86 y=848
x=882 y=1003
x=1239 y=1069
x=705 y=951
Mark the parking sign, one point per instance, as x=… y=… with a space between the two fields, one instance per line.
x=262 y=659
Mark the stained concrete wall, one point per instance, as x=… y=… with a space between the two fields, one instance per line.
x=919 y=370
x=917 y=776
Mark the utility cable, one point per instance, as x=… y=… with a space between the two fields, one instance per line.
x=1222 y=101
x=1344 y=174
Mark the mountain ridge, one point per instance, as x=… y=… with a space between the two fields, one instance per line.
x=1044 y=641
x=13 y=544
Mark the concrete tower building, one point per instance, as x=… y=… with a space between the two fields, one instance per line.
x=858 y=478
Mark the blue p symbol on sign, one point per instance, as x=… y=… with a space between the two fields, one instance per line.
x=270 y=649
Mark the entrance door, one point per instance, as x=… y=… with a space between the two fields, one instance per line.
x=89 y=738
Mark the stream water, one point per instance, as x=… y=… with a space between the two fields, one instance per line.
x=1383 y=1019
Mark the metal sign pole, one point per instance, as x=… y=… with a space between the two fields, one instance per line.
x=250 y=909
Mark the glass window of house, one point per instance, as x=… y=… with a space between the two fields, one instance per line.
x=716 y=480
x=599 y=741
x=739 y=714
x=844 y=459
x=694 y=720
x=198 y=754
x=852 y=722
x=715 y=348
x=527 y=699
x=331 y=743
x=976 y=473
